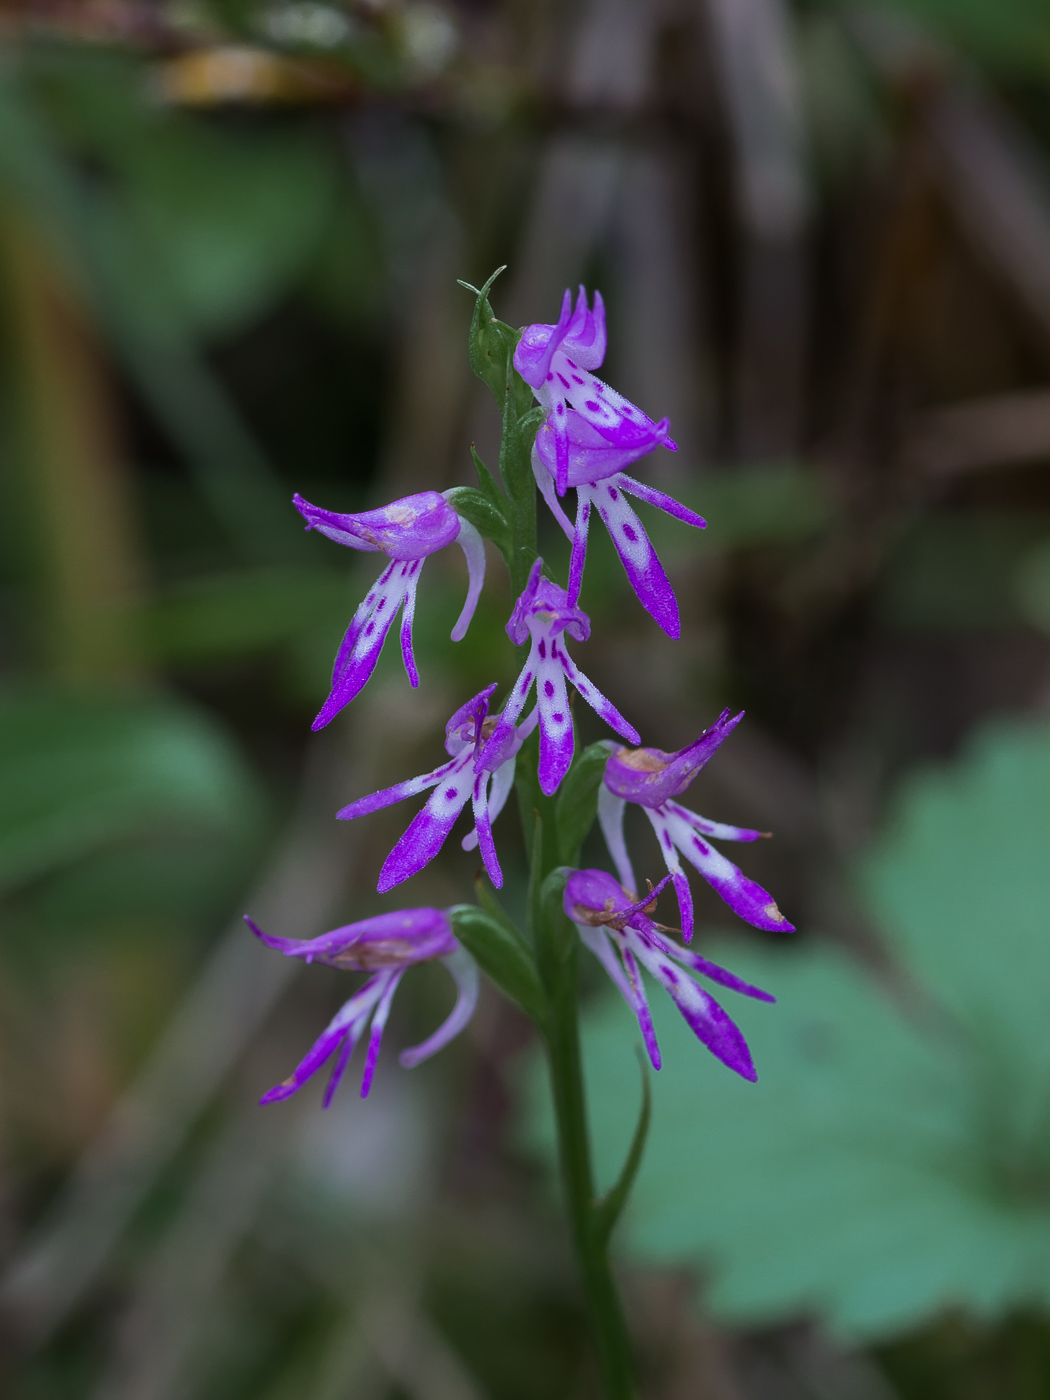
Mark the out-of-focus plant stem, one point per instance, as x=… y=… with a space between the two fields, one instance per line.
x=75 y=486
x=556 y=956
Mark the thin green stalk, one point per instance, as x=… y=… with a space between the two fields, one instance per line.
x=556 y=955
x=566 y=1078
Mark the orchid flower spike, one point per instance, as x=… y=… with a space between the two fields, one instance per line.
x=406 y=531
x=594 y=469
x=556 y=361
x=468 y=775
x=543 y=613
x=653 y=779
x=619 y=931
x=384 y=946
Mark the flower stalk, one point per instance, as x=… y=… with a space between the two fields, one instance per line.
x=582 y=437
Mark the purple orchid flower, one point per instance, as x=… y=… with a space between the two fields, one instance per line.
x=543 y=613
x=620 y=933
x=468 y=775
x=556 y=361
x=653 y=779
x=406 y=531
x=595 y=470
x=385 y=946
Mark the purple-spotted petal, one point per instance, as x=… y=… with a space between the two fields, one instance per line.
x=703 y=1015
x=407 y=614
x=743 y=896
x=465 y=974
x=591 y=455
x=428 y=830
x=696 y=963
x=556 y=730
x=361 y=647
x=719 y=831
x=386 y=797
x=663 y=502
x=588 y=691
x=643 y=568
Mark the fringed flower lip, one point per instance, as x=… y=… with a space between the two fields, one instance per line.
x=652 y=779
x=557 y=362
x=543 y=614
x=406 y=531
x=385 y=946
x=619 y=930
x=467 y=776
x=601 y=485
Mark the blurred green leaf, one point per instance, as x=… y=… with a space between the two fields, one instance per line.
x=238 y=614
x=502 y=954
x=1032 y=587
x=747 y=506
x=888 y=1164
x=80 y=771
x=1012 y=36
x=487 y=518
x=959 y=571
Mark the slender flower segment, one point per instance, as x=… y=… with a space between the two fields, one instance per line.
x=406 y=531
x=543 y=616
x=556 y=361
x=653 y=779
x=385 y=947
x=622 y=935
x=595 y=470
x=468 y=775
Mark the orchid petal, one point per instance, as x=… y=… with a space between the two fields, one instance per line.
x=379 y=1021
x=663 y=502
x=556 y=729
x=465 y=974
x=610 y=817
x=719 y=831
x=639 y=558
x=406 y=625
x=599 y=704
x=386 y=797
x=483 y=827
x=703 y=1015
x=473 y=547
x=329 y=1040
x=546 y=484
x=743 y=896
x=427 y=832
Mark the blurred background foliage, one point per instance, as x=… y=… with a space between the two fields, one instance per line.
x=230 y=234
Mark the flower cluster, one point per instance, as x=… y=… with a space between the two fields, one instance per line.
x=589 y=437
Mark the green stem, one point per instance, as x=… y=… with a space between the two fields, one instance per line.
x=566 y=1076
x=556 y=956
